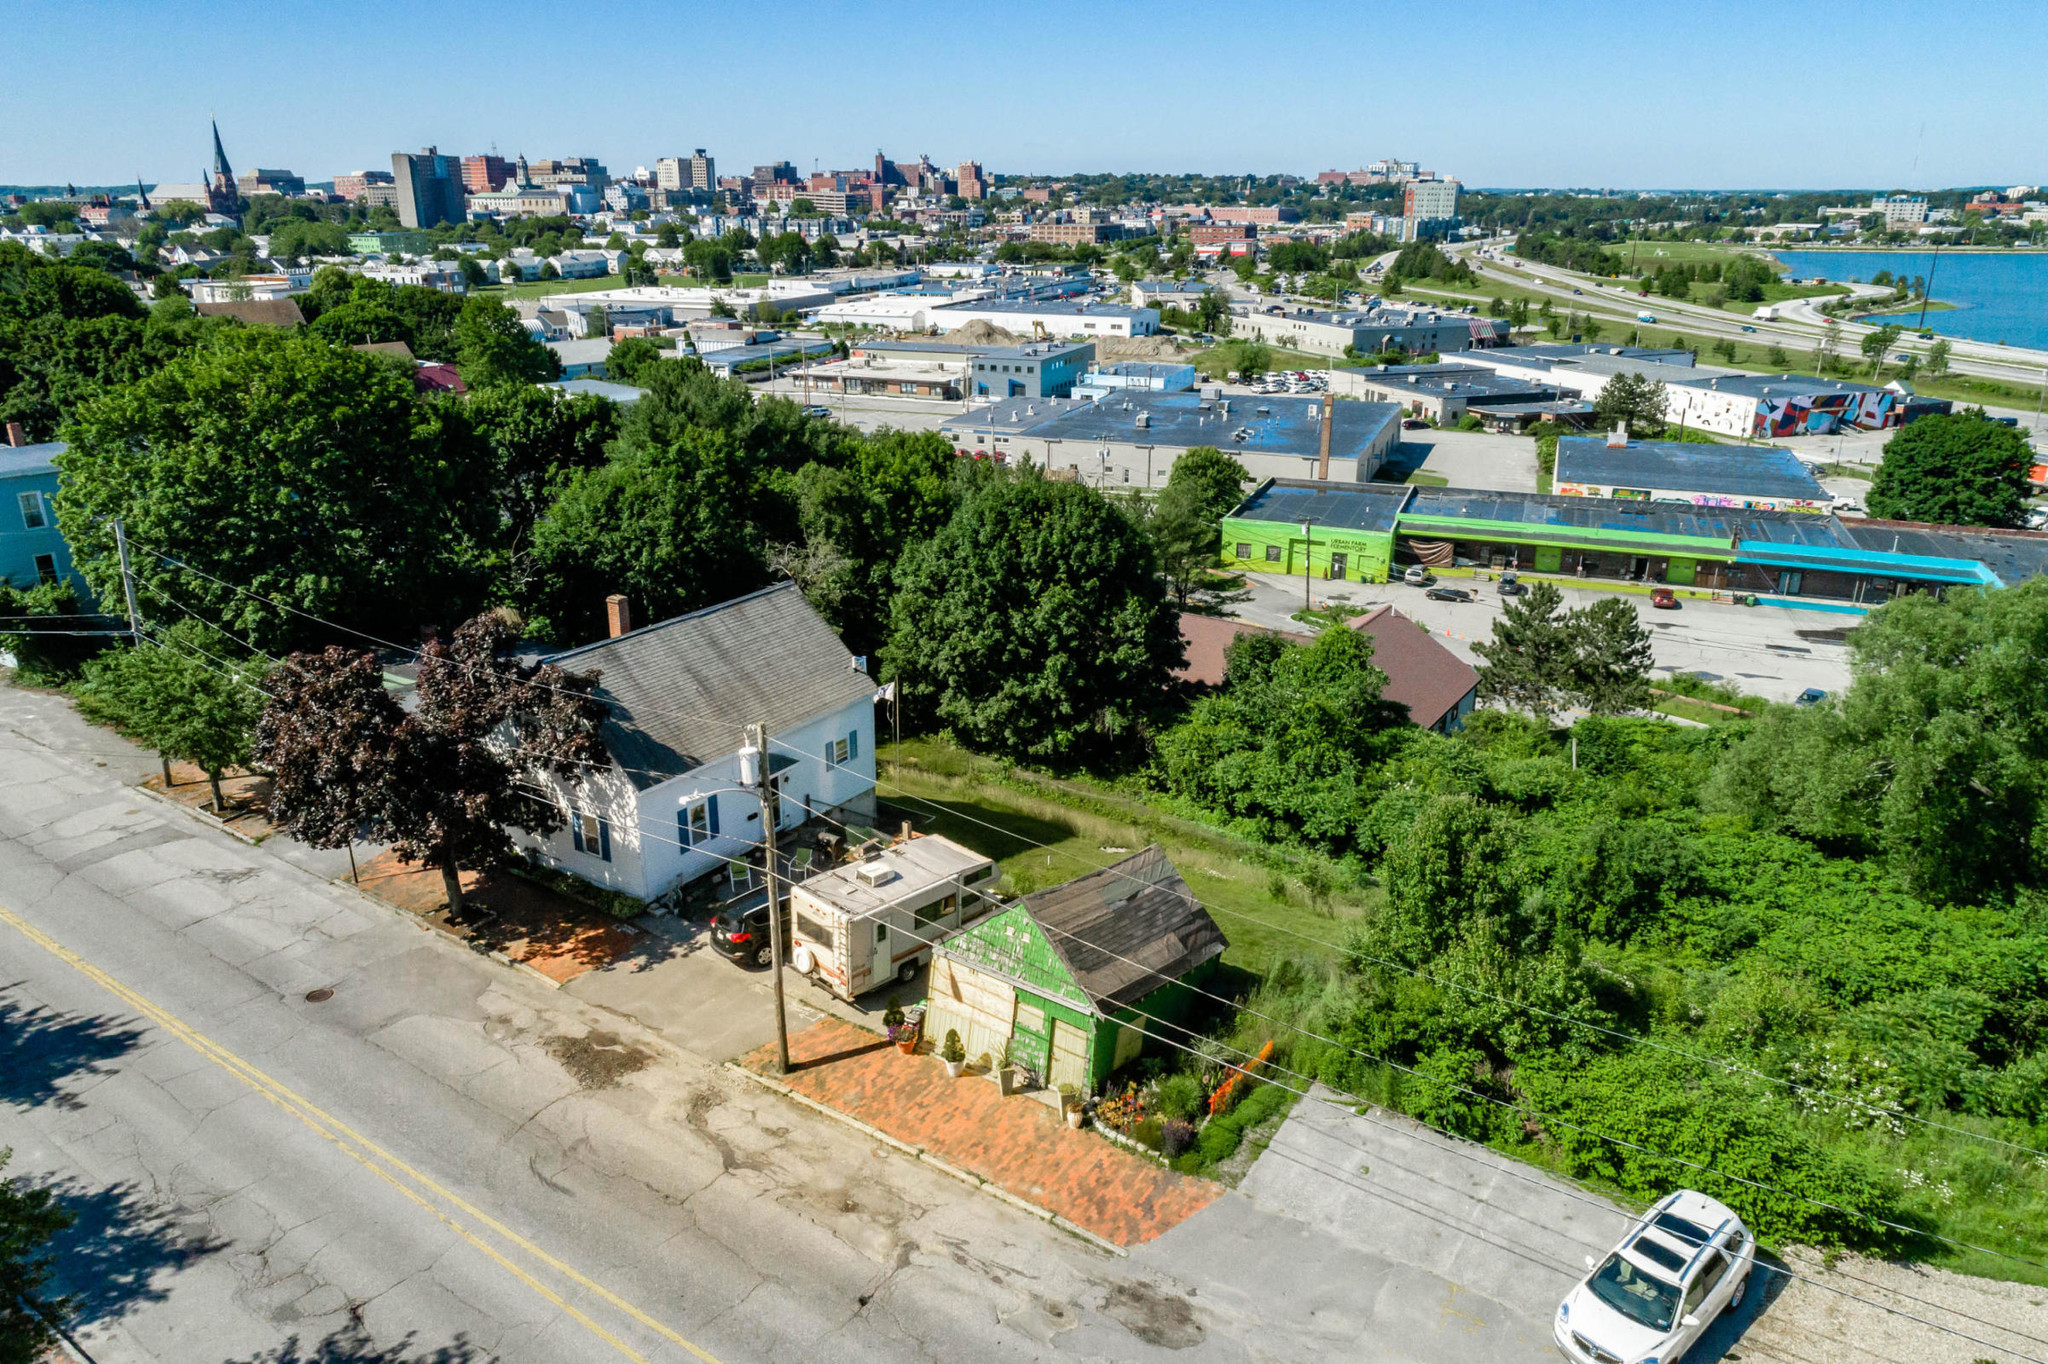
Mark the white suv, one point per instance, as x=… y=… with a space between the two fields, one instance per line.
x=1649 y=1300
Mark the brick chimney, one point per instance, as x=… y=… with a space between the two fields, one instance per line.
x=16 y=435
x=618 y=613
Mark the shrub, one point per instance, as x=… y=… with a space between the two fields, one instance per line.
x=1178 y=1097
x=952 y=1050
x=1148 y=1133
x=1175 y=1137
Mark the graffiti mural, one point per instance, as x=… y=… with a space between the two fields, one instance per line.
x=1823 y=414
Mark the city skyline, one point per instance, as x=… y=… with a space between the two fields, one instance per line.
x=1498 y=100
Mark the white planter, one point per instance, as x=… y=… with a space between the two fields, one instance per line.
x=953 y=1068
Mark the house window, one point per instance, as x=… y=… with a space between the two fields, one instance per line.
x=46 y=567
x=1272 y=554
x=592 y=834
x=1244 y=551
x=32 y=511
x=695 y=823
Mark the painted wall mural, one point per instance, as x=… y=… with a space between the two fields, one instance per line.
x=1823 y=414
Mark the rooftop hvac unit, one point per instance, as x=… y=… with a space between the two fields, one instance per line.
x=875 y=873
x=1144 y=420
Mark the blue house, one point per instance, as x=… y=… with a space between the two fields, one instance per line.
x=31 y=549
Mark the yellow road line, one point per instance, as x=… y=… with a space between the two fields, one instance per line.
x=334 y=1130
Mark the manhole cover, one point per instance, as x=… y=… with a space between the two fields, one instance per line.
x=319 y=996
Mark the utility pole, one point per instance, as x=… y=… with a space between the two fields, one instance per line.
x=754 y=772
x=127 y=582
x=1307 y=558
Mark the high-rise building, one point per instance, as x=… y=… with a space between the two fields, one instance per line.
x=485 y=174
x=429 y=188
x=703 y=172
x=671 y=172
x=780 y=173
x=971 y=183
x=1429 y=200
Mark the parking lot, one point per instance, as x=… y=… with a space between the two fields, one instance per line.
x=1774 y=652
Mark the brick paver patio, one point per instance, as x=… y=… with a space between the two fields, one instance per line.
x=529 y=923
x=1018 y=1143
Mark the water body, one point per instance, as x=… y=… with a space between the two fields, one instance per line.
x=2002 y=297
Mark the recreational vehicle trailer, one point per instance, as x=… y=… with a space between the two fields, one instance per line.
x=856 y=928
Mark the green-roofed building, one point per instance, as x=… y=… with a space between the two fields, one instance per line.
x=1072 y=978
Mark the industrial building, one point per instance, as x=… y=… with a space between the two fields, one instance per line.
x=1131 y=438
x=1759 y=477
x=1806 y=559
x=1778 y=405
x=1168 y=293
x=1447 y=393
x=1164 y=376
x=1370 y=331
x=1042 y=369
x=1047 y=317
x=1583 y=370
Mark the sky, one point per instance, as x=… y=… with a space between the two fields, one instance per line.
x=1706 y=94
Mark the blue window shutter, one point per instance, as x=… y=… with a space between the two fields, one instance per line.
x=683 y=827
x=853 y=744
x=576 y=830
x=712 y=812
x=604 y=838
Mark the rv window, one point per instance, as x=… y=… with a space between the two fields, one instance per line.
x=975 y=878
x=812 y=931
x=938 y=909
x=881 y=932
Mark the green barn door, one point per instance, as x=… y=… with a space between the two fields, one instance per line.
x=1031 y=1040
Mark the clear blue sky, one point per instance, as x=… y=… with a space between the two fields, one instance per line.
x=1651 y=93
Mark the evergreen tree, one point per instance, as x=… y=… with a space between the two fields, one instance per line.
x=1529 y=661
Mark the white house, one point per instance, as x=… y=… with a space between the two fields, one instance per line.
x=670 y=809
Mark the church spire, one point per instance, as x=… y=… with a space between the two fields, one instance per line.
x=220 y=155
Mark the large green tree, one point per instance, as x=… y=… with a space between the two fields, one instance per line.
x=29 y=1218
x=1935 y=759
x=1633 y=399
x=493 y=347
x=1610 y=667
x=185 y=692
x=1034 y=623
x=1528 y=662
x=277 y=463
x=1961 y=470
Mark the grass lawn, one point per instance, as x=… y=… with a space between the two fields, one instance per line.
x=1223 y=357
x=1006 y=813
x=1654 y=254
x=1422 y=478
x=541 y=288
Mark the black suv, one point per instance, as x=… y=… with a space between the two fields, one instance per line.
x=743 y=934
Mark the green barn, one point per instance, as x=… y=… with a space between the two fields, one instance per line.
x=1071 y=978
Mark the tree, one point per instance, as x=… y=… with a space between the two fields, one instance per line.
x=1634 y=400
x=1936 y=757
x=184 y=693
x=1034 y=623
x=1209 y=481
x=1528 y=663
x=295 y=239
x=441 y=784
x=1937 y=357
x=629 y=357
x=493 y=347
x=1878 y=344
x=535 y=438
x=1961 y=470
x=290 y=476
x=473 y=273
x=29 y=1217
x=1611 y=659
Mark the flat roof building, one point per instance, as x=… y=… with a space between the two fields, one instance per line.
x=1774 y=406
x=1446 y=393
x=1048 y=317
x=1043 y=369
x=1371 y=331
x=1784 y=558
x=1131 y=438
x=1761 y=477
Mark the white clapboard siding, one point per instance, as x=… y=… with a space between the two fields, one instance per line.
x=1069 y=1055
x=980 y=1007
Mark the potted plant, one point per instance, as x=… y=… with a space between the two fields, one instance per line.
x=1003 y=1072
x=953 y=1053
x=904 y=1035
x=1071 y=1104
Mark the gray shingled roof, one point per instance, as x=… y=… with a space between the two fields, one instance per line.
x=1128 y=929
x=682 y=692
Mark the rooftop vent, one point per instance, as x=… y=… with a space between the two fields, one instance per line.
x=875 y=873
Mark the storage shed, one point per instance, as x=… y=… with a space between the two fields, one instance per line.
x=1072 y=978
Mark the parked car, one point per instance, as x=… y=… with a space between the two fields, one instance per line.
x=1448 y=594
x=1511 y=584
x=744 y=936
x=1413 y=424
x=1664 y=599
x=1684 y=1263
x=817 y=410
x=1416 y=576
x=1812 y=696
